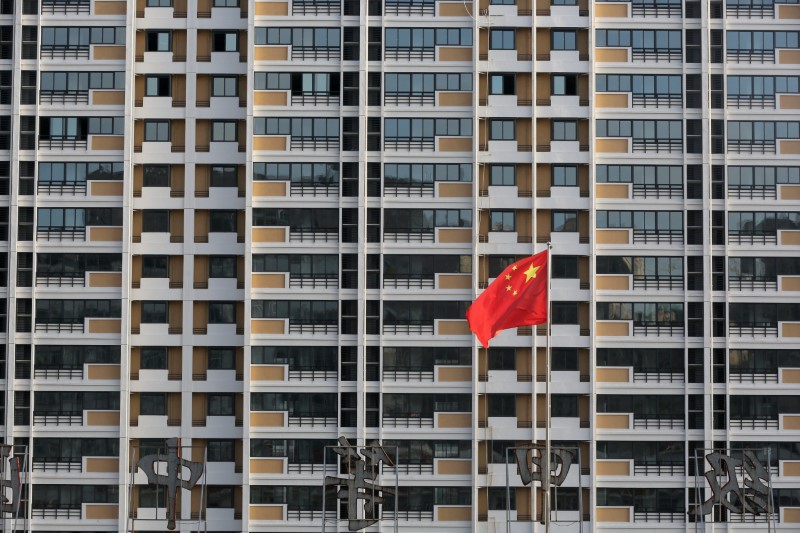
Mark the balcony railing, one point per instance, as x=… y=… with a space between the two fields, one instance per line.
x=410 y=53
x=57 y=420
x=658 y=282
x=61 y=188
x=657 y=330
x=661 y=191
x=408 y=329
x=661 y=468
x=672 y=236
x=317 y=329
x=58 y=373
x=750 y=56
x=57 y=464
x=306 y=468
x=657 y=145
x=418 y=98
x=56 y=512
x=409 y=283
x=407 y=422
x=657 y=376
x=408 y=236
x=311 y=421
x=658 y=516
x=60 y=327
x=315 y=99
x=656 y=9
x=741 y=376
x=737 y=237
x=410 y=469
x=313 y=283
x=765 y=146
x=754 y=423
x=411 y=144
x=61 y=234
x=658 y=423
x=306 y=515
x=408 y=375
x=762 y=193
x=757 y=283
x=316 y=52
x=312 y=375
x=657 y=100
x=66 y=7
x=62 y=143
x=310 y=235
x=317 y=7
x=657 y=54
x=753 y=330
x=60 y=281
x=314 y=143
x=421 y=190
x=297 y=189
x=410 y=7
x=751 y=101
x=64 y=52
x=64 y=97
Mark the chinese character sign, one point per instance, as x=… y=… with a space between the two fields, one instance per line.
x=173 y=478
x=9 y=505
x=561 y=460
x=752 y=498
x=359 y=483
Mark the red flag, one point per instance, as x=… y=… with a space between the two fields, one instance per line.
x=518 y=297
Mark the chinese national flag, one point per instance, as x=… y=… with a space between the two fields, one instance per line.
x=518 y=297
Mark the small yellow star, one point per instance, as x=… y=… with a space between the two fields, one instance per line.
x=508 y=288
x=531 y=273
x=515 y=293
x=514 y=267
x=508 y=276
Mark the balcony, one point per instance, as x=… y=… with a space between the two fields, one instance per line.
x=752 y=283
x=658 y=423
x=765 y=329
x=407 y=422
x=311 y=421
x=654 y=236
x=754 y=423
x=657 y=330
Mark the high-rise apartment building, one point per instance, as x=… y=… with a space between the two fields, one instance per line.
x=256 y=226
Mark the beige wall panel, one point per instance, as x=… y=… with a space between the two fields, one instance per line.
x=270 y=143
x=455 y=144
x=613 y=514
x=447 y=99
x=269 y=281
x=273 y=9
x=611 y=146
x=102 y=464
x=102 y=371
x=610 y=374
x=99 y=511
x=455 y=281
x=110 y=8
x=790 y=237
x=611 y=55
x=102 y=418
x=454 y=467
x=611 y=100
x=272 y=53
x=461 y=53
x=611 y=10
x=454 y=514
x=788 y=12
x=790 y=375
x=789 y=57
x=105 y=325
x=266 y=466
x=455 y=373
x=791 y=422
x=105 y=279
x=611 y=190
x=791 y=515
x=612 y=329
x=455 y=190
x=613 y=421
x=101 y=52
x=267 y=327
x=108 y=97
x=455 y=9
x=789 y=147
x=269 y=235
x=613 y=283
x=266 y=512
x=270 y=98
x=261 y=419
x=108 y=142
x=612 y=236
x=455 y=420
x=613 y=468
x=453 y=327
x=790 y=329
x=267 y=373
x=452 y=235
x=105 y=188
x=791 y=468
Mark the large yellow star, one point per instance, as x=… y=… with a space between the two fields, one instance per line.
x=531 y=273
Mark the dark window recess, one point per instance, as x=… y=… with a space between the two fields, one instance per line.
x=696 y=412
x=694 y=272
x=349 y=271
x=350 y=134
x=375 y=8
x=716 y=52
x=373 y=224
x=28 y=90
x=374 y=183
x=349 y=179
x=350 y=88
x=372 y=412
x=719 y=416
x=5 y=87
x=6 y=42
x=29 y=7
x=717 y=91
x=694 y=359
x=694 y=227
x=691 y=9
x=718 y=317
x=717 y=136
x=27 y=132
x=694 y=91
x=24 y=269
x=373 y=318
x=349 y=317
x=349 y=224
x=349 y=410
x=351 y=8
x=27 y=173
x=24 y=315
x=695 y=319
x=373 y=363
x=718 y=227
x=694 y=182
x=718 y=273
x=30 y=40
x=373 y=134
x=24 y=224
x=715 y=9
x=348 y=367
x=22 y=354
x=374 y=88
x=718 y=182
x=4 y=271
x=373 y=279
x=694 y=136
x=22 y=408
x=375 y=46
x=351 y=36
x=5 y=133
x=694 y=41
x=5 y=183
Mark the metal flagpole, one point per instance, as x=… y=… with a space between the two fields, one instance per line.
x=546 y=461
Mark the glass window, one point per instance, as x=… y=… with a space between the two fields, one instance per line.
x=225 y=41
x=224 y=176
x=157 y=85
x=221 y=358
x=565 y=176
x=223 y=221
x=564 y=84
x=153 y=358
x=565 y=267
x=153 y=404
x=502 y=359
x=565 y=312
x=221 y=313
x=502 y=221
x=154 y=312
x=224 y=86
x=565 y=221
x=221 y=405
x=502 y=175
x=502 y=39
x=565 y=130
x=222 y=266
x=155 y=266
x=158 y=41
x=502 y=84
x=155 y=221
x=564 y=40
x=502 y=130
x=220 y=451
x=155 y=175
x=156 y=130
x=224 y=131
